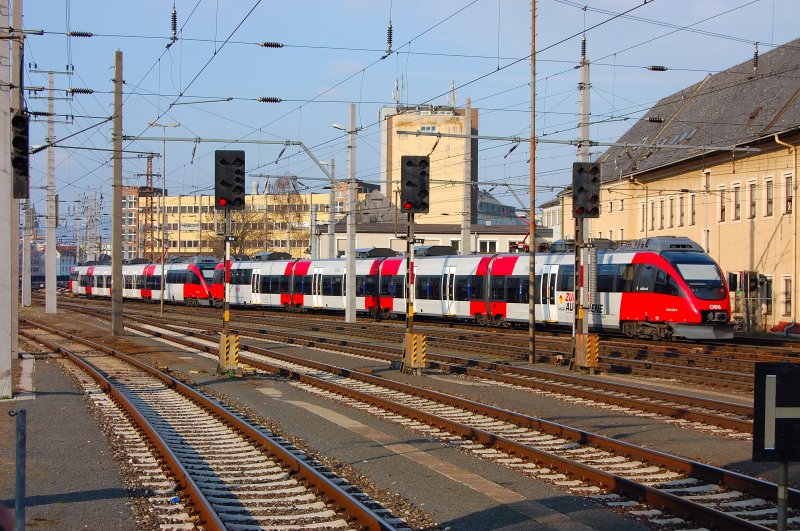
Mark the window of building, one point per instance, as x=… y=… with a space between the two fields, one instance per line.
x=768 y=293
x=610 y=234
x=788 y=194
x=681 y=210
x=652 y=215
x=427 y=129
x=642 y=216
x=661 y=214
x=737 y=202
x=751 y=199
x=692 y=209
x=787 y=296
x=487 y=246
x=610 y=207
x=621 y=234
x=671 y=212
x=769 y=197
x=455 y=244
x=622 y=205
x=723 y=200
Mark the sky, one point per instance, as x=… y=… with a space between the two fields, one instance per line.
x=207 y=82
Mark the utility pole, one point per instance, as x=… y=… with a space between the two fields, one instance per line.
x=117 y=326
x=532 y=210
x=580 y=331
x=331 y=215
x=163 y=202
x=350 y=309
x=8 y=232
x=466 y=217
x=50 y=272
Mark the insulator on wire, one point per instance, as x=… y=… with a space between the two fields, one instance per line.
x=755 y=59
x=657 y=68
x=269 y=100
x=174 y=23
x=655 y=119
x=268 y=44
x=80 y=91
x=85 y=34
x=389 y=38
x=583 y=47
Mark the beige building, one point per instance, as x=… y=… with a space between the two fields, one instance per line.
x=738 y=205
x=454 y=161
x=274 y=221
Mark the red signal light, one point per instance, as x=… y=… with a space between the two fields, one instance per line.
x=222 y=202
x=408 y=205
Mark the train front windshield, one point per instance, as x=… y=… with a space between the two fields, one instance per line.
x=701 y=274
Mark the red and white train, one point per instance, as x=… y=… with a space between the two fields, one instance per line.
x=657 y=288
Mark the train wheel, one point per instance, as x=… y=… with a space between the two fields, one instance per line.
x=481 y=319
x=629 y=329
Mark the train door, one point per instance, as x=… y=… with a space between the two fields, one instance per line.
x=255 y=287
x=548 y=293
x=316 y=288
x=449 y=290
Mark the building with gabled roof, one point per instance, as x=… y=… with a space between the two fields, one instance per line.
x=689 y=181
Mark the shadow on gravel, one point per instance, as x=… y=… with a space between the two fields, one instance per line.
x=70 y=497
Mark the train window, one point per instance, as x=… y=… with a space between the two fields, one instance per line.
x=607 y=275
x=207 y=270
x=665 y=284
x=386 y=286
x=332 y=285
x=428 y=287
x=284 y=285
x=74 y=275
x=552 y=287
x=626 y=277
x=645 y=276
x=366 y=286
x=537 y=289
x=85 y=281
x=129 y=284
x=219 y=276
x=566 y=278
x=700 y=273
x=469 y=288
x=140 y=282
x=108 y=281
x=517 y=289
x=303 y=284
x=153 y=282
x=191 y=277
x=241 y=277
x=497 y=289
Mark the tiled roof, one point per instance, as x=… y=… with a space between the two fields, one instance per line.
x=733 y=107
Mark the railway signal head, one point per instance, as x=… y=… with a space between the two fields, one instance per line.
x=229 y=179
x=585 y=190
x=415 y=184
x=20 y=167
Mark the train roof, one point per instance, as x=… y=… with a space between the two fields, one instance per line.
x=663 y=243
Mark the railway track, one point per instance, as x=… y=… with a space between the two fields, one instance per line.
x=696 y=411
x=610 y=471
x=223 y=471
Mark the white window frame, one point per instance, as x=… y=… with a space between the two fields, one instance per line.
x=722 y=206
x=642 y=216
x=788 y=193
x=736 y=201
x=692 y=209
x=786 y=296
x=769 y=196
x=752 y=199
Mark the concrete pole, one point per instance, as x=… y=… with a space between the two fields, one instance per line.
x=350 y=309
x=332 y=217
x=7 y=231
x=18 y=104
x=532 y=206
x=466 y=218
x=16 y=94
x=50 y=272
x=117 y=326
x=581 y=323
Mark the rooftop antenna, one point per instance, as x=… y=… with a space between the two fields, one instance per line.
x=451 y=100
x=396 y=92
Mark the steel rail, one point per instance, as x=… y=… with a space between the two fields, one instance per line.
x=208 y=517
x=520 y=376
x=632 y=489
x=349 y=504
